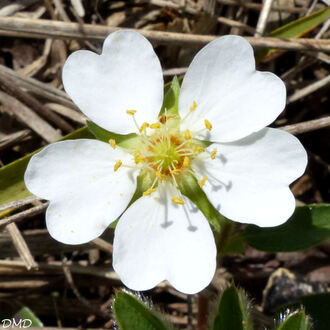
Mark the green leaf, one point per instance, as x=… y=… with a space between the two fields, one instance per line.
x=317 y=306
x=12 y=185
x=189 y=187
x=296 y=29
x=302 y=25
x=130 y=314
x=308 y=226
x=26 y=313
x=127 y=141
x=171 y=98
x=231 y=313
x=295 y=321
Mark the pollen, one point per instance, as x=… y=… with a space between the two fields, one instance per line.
x=112 y=142
x=144 y=126
x=193 y=107
x=213 y=153
x=186 y=162
x=149 y=191
x=208 y=125
x=155 y=125
x=187 y=134
x=177 y=200
x=202 y=181
x=131 y=112
x=117 y=165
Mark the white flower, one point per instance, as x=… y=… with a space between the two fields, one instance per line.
x=245 y=173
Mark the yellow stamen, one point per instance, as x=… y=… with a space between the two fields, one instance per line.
x=117 y=165
x=131 y=112
x=198 y=149
x=187 y=134
x=149 y=191
x=208 y=125
x=176 y=171
x=143 y=127
x=193 y=107
x=155 y=125
x=213 y=153
x=112 y=142
x=202 y=181
x=177 y=200
x=186 y=161
x=137 y=157
x=159 y=175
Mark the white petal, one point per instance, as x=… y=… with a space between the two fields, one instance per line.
x=127 y=75
x=85 y=193
x=157 y=240
x=229 y=92
x=248 y=181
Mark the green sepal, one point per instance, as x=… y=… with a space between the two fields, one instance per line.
x=130 y=313
x=171 y=99
x=127 y=141
x=189 y=187
x=295 y=321
x=232 y=311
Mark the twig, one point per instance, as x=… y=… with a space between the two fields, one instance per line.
x=29 y=118
x=257 y=6
x=308 y=89
x=22 y=215
x=18 y=203
x=75 y=116
x=103 y=245
x=307 y=126
x=233 y=23
x=63 y=30
x=38 y=88
x=12 y=139
x=34 y=104
x=82 y=299
x=21 y=246
x=263 y=17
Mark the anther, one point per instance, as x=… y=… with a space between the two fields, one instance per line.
x=198 y=149
x=149 y=191
x=187 y=134
x=177 y=200
x=131 y=112
x=186 y=161
x=143 y=127
x=117 y=165
x=193 y=107
x=202 y=181
x=112 y=142
x=155 y=125
x=208 y=125
x=137 y=157
x=213 y=153
x=159 y=175
x=176 y=171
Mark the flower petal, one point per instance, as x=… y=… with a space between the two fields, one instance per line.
x=127 y=75
x=157 y=240
x=86 y=195
x=248 y=180
x=229 y=92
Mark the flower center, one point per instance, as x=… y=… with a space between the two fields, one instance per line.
x=166 y=152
